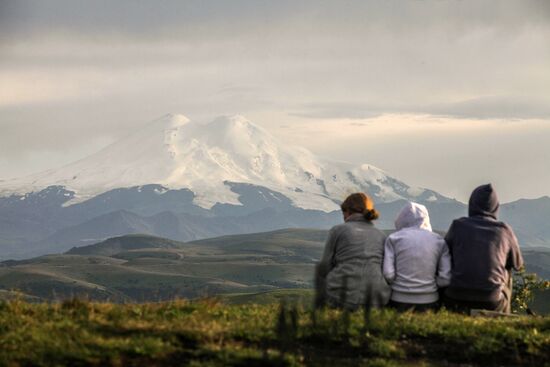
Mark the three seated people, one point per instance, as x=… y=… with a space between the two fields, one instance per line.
x=415 y=268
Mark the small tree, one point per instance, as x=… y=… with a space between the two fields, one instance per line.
x=525 y=286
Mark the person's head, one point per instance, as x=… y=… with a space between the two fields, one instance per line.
x=413 y=215
x=484 y=202
x=359 y=203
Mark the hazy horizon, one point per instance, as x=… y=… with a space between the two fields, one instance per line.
x=443 y=95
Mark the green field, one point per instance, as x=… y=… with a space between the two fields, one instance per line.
x=215 y=333
x=140 y=268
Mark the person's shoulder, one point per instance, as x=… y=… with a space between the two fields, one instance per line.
x=371 y=226
x=463 y=223
x=439 y=239
x=487 y=222
x=461 y=220
x=403 y=232
x=395 y=234
x=498 y=223
x=339 y=228
x=377 y=232
x=436 y=236
x=504 y=225
x=507 y=228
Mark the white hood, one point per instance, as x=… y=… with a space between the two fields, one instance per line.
x=413 y=215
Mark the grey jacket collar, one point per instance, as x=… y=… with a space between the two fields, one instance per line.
x=356 y=217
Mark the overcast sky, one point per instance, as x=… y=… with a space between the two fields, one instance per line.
x=441 y=94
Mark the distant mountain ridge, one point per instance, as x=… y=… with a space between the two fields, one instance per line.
x=115 y=245
x=42 y=225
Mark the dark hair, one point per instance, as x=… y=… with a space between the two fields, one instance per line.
x=360 y=203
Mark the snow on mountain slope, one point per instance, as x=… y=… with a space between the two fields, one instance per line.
x=177 y=153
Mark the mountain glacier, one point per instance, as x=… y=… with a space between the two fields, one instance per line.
x=207 y=158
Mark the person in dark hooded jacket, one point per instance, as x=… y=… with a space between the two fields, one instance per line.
x=483 y=253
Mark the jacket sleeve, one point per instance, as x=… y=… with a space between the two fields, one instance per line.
x=326 y=263
x=449 y=236
x=444 y=267
x=449 y=239
x=388 y=268
x=514 y=259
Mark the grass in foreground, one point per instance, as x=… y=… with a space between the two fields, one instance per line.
x=209 y=333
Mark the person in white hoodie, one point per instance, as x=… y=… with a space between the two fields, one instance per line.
x=416 y=261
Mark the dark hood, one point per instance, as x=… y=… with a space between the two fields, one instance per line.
x=484 y=202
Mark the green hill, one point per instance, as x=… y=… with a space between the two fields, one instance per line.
x=147 y=268
x=209 y=333
x=115 y=245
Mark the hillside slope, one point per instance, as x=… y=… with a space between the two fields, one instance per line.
x=147 y=268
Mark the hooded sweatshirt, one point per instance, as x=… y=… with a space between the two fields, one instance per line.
x=483 y=250
x=416 y=260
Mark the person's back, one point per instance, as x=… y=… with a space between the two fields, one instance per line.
x=416 y=261
x=483 y=252
x=350 y=272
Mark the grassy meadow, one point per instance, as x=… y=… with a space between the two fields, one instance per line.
x=214 y=332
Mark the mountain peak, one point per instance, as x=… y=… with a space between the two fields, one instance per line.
x=172 y=120
x=230 y=119
x=177 y=153
x=233 y=123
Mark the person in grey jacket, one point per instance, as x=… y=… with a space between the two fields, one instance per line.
x=416 y=261
x=349 y=274
x=484 y=251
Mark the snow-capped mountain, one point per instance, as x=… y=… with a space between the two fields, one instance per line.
x=206 y=158
x=186 y=180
